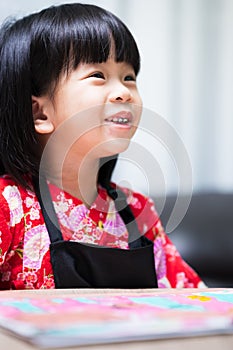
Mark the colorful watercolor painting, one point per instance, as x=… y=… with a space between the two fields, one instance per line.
x=66 y=319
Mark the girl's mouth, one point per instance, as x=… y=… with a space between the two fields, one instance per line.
x=121 y=118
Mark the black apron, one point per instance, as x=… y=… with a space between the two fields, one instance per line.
x=78 y=265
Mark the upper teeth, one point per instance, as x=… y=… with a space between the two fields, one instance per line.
x=120 y=120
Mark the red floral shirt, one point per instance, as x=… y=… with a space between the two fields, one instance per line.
x=24 y=240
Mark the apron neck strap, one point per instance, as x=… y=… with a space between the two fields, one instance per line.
x=47 y=208
x=135 y=239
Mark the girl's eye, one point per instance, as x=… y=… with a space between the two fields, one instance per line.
x=130 y=78
x=97 y=75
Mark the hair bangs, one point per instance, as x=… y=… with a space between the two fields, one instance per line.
x=126 y=49
x=80 y=34
x=97 y=36
x=91 y=45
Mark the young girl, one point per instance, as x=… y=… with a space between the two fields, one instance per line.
x=69 y=105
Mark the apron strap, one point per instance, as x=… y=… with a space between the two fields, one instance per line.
x=135 y=239
x=47 y=208
x=52 y=224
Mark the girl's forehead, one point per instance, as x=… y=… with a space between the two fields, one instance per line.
x=112 y=52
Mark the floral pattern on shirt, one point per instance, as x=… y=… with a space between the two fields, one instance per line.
x=14 y=200
x=36 y=242
x=24 y=240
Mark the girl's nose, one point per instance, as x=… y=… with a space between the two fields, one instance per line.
x=120 y=94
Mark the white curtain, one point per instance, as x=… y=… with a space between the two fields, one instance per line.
x=187 y=78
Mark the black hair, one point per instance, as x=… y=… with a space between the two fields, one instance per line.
x=34 y=52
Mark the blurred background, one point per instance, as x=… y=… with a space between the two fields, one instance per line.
x=186 y=79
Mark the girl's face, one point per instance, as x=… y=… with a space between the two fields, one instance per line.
x=98 y=102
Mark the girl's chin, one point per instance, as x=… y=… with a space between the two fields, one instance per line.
x=114 y=146
x=119 y=131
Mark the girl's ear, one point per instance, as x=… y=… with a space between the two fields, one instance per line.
x=41 y=116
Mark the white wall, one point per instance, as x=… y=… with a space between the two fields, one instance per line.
x=186 y=83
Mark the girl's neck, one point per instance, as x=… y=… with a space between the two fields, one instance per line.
x=78 y=179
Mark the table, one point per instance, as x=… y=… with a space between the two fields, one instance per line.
x=223 y=342
x=214 y=342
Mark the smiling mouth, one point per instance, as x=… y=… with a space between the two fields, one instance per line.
x=122 y=118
